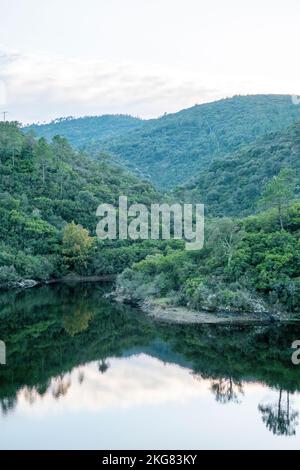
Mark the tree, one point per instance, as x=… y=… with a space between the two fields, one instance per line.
x=280 y=420
x=225 y=235
x=16 y=145
x=43 y=153
x=10 y=140
x=77 y=244
x=61 y=151
x=279 y=192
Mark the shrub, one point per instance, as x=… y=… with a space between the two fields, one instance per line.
x=8 y=274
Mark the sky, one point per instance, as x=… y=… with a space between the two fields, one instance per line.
x=142 y=57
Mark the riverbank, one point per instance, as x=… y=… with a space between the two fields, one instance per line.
x=30 y=283
x=160 y=310
x=163 y=309
x=83 y=279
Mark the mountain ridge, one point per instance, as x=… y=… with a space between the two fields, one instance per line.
x=169 y=150
x=82 y=130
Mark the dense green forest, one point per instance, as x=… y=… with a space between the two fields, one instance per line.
x=84 y=131
x=49 y=194
x=233 y=186
x=246 y=265
x=172 y=149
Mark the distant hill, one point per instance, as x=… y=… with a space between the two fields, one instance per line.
x=83 y=131
x=171 y=149
x=232 y=186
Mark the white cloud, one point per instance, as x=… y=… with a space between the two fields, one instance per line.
x=39 y=86
x=43 y=87
x=143 y=57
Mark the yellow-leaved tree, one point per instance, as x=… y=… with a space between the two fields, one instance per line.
x=77 y=245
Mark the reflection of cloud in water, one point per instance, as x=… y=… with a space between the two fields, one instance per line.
x=138 y=381
x=128 y=382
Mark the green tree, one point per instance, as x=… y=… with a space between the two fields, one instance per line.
x=10 y=140
x=43 y=153
x=279 y=192
x=224 y=236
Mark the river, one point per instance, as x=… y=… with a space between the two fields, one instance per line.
x=83 y=372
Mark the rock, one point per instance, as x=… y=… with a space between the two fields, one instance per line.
x=26 y=284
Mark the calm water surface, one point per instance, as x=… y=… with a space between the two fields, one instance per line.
x=85 y=373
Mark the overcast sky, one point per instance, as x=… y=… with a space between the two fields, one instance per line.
x=143 y=57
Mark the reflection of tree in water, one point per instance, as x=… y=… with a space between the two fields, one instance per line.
x=7 y=405
x=42 y=388
x=279 y=417
x=30 y=394
x=60 y=386
x=42 y=349
x=227 y=390
x=103 y=366
x=78 y=321
x=80 y=376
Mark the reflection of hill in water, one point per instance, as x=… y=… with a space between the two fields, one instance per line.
x=49 y=331
x=162 y=351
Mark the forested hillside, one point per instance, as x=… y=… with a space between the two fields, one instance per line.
x=49 y=194
x=246 y=265
x=171 y=149
x=84 y=131
x=233 y=186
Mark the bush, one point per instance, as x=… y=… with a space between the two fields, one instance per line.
x=136 y=286
x=34 y=267
x=8 y=274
